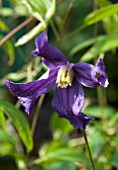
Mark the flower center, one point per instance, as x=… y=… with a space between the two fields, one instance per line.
x=65 y=77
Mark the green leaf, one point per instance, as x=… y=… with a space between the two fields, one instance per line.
x=111 y=25
x=45 y=7
x=6 y=149
x=63 y=154
x=7 y=138
x=3 y=26
x=20 y=122
x=9 y=49
x=96 y=143
x=19 y=8
x=100 y=14
x=50 y=10
x=103 y=3
x=6 y=12
x=114 y=160
x=2 y=119
x=95 y=111
x=67 y=154
x=61 y=165
x=113 y=120
x=51 y=147
x=55 y=145
x=60 y=126
x=31 y=34
x=102 y=46
x=38 y=6
x=85 y=44
x=42 y=10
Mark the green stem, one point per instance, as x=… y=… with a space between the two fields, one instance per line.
x=15 y=30
x=29 y=72
x=0 y=3
x=66 y=16
x=102 y=103
x=100 y=97
x=13 y=41
x=37 y=114
x=89 y=152
x=55 y=31
x=37 y=161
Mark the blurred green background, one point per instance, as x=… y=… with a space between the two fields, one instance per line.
x=84 y=30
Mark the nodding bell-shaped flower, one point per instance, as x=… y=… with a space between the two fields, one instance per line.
x=67 y=77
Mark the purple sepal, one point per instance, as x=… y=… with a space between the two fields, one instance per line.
x=87 y=74
x=51 y=56
x=79 y=121
x=69 y=100
x=29 y=92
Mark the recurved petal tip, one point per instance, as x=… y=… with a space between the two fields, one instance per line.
x=7 y=82
x=11 y=85
x=80 y=121
x=103 y=78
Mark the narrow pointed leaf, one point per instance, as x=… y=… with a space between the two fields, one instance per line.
x=61 y=165
x=7 y=138
x=2 y=119
x=51 y=10
x=40 y=7
x=111 y=25
x=100 y=14
x=6 y=12
x=9 y=49
x=108 y=43
x=31 y=34
x=67 y=154
x=103 y=3
x=114 y=160
x=20 y=123
x=3 y=26
x=85 y=44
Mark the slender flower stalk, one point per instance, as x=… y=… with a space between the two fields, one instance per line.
x=88 y=148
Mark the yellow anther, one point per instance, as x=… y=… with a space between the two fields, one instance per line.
x=65 y=77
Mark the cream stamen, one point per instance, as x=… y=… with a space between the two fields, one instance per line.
x=65 y=77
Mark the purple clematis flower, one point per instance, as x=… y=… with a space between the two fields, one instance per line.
x=69 y=96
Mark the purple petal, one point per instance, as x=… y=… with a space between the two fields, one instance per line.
x=79 y=121
x=52 y=56
x=29 y=92
x=87 y=74
x=68 y=100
